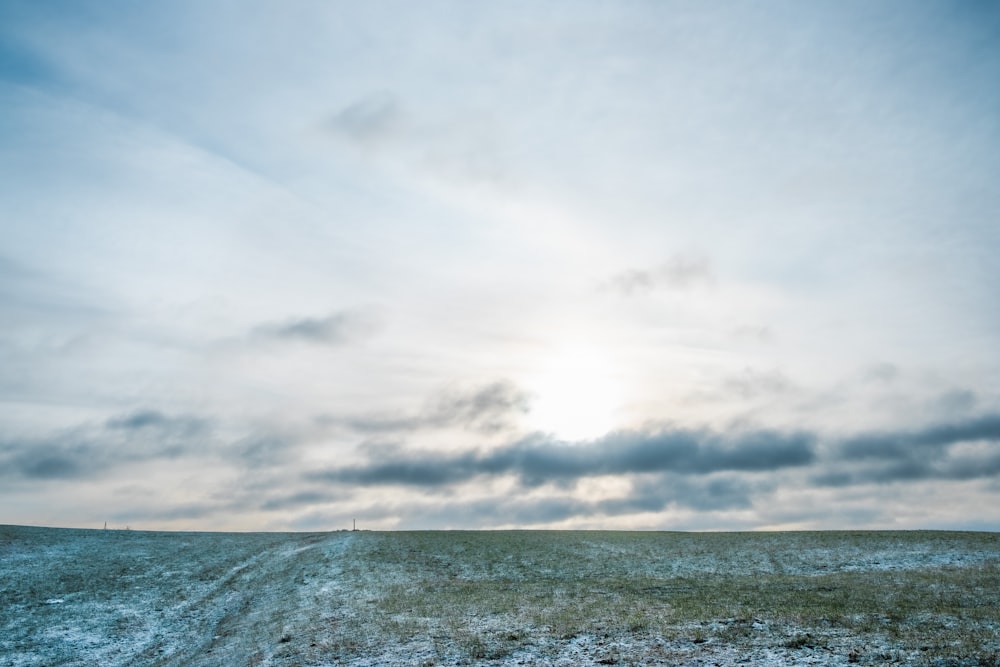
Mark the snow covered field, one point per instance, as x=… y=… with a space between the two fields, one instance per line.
x=92 y=597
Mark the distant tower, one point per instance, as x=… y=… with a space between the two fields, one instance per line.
x=355 y=524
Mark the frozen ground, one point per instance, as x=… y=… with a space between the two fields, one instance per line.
x=77 y=597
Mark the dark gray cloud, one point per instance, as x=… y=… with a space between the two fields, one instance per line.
x=930 y=441
x=953 y=468
x=336 y=329
x=302 y=498
x=538 y=460
x=67 y=457
x=93 y=451
x=928 y=453
x=704 y=471
x=486 y=409
x=679 y=272
x=714 y=493
x=48 y=460
x=877 y=457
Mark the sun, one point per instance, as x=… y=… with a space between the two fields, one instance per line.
x=576 y=394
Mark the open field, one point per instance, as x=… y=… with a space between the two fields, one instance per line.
x=79 y=597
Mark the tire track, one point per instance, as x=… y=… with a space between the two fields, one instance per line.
x=257 y=613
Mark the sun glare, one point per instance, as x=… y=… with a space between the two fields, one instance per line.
x=576 y=395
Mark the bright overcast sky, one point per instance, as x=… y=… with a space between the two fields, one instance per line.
x=653 y=265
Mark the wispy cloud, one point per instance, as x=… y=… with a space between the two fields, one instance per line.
x=487 y=409
x=679 y=272
x=156 y=421
x=957 y=401
x=457 y=148
x=882 y=372
x=370 y=120
x=752 y=383
x=336 y=329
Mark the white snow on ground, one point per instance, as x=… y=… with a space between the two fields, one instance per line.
x=76 y=597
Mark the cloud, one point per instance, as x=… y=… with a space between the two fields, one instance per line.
x=48 y=460
x=336 y=329
x=369 y=120
x=538 y=459
x=299 y=499
x=14 y=280
x=711 y=473
x=486 y=409
x=930 y=441
x=89 y=451
x=489 y=511
x=957 y=400
x=194 y=510
x=981 y=465
x=649 y=494
x=679 y=272
x=752 y=383
x=759 y=333
x=264 y=450
x=882 y=372
x=458 y=148
x=148 y=420
x=703 y=494
x=483 y=408
x=956 y=450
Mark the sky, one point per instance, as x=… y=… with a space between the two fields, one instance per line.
x=597 y=265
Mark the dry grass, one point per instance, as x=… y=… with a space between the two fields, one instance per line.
x=504 y=597
x=519 y=589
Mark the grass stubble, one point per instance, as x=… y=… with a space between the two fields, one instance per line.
x=504 y=597
x=865 y=597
